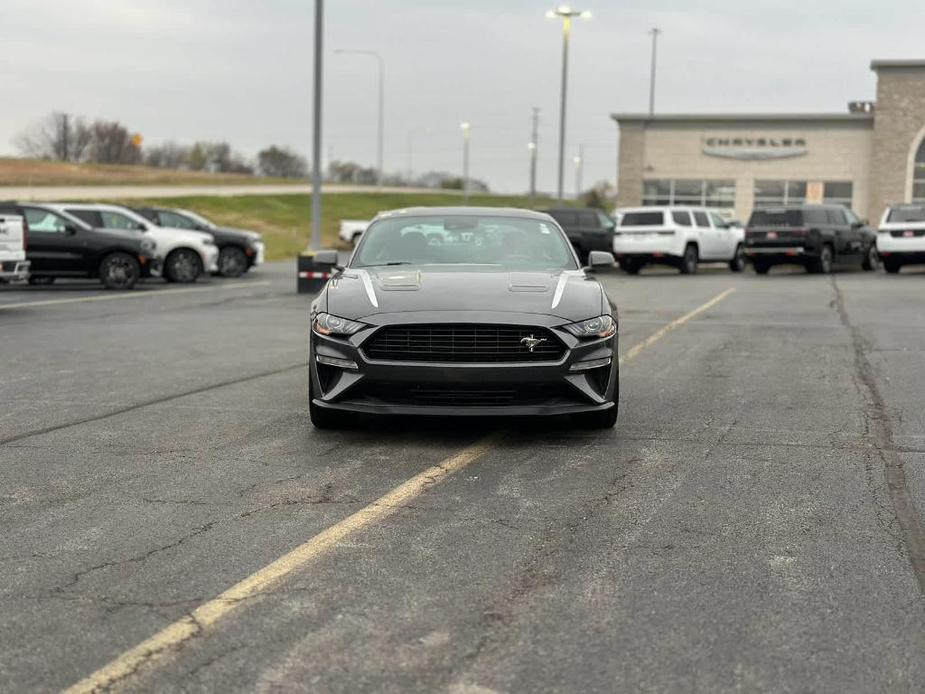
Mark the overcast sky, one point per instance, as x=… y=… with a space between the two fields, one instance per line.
x=241 y=71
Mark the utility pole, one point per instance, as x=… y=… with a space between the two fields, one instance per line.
x=655 y=31
x=532 y=146
x=579 y=169
x=465 y=130
x=316 y=135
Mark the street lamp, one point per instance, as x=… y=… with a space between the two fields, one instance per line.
x=566 y=13
x=579 y=165
x=531 y=147
x=466 y=127
x=381 y=129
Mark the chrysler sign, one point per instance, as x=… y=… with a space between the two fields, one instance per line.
x=755 y=148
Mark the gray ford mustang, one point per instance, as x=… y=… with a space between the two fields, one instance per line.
x=463 y=311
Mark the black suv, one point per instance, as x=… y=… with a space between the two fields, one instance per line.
x=815 y=236
x=239 y=250
x=588 y=229
x=59 y=245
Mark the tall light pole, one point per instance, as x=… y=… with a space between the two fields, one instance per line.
x=566 y=13
x=532 y=147
x=579 y=169
x=655 y=31
x=381 y=128
x=466 y=127
x=316 y=135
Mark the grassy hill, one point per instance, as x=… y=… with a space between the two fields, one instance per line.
x=285 y=220
x=33 y=172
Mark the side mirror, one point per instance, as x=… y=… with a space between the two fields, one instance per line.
x=326 y=258
x=143 y=227
x=599 y=259
x=70 y=229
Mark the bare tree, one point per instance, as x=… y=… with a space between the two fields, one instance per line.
x=169 y=155
x=282 y=162
x=59 y=136
x=112 y=143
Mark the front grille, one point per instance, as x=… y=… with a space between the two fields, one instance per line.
x=462 y=343
x=463 y=395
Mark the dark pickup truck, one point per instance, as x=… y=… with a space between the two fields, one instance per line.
x=588 y=229
x=815 y=236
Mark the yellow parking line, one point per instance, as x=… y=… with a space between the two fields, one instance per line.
x=133 y=295
x=211 y=611
x=658 y=335
x=169 y=639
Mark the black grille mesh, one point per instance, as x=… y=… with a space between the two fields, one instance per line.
x=463 y=343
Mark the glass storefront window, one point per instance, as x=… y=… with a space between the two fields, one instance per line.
x=780 y=192
x=693 y=192
x=918 y=175
x=838 y=192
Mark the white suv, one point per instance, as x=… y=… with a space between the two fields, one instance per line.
x=678 y=236
x=901 y=237
x=185 y=254
x=14 y=268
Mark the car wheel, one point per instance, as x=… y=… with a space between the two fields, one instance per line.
x=871 y=260
x=183 y=266
x=892 y=266
x=630 y=267
x=823 y=264
x=761 y=267
x=232 y=262
x=119 y=271
x=737 y=264
x=325 y=419
x=689 y=261
x=41 y=281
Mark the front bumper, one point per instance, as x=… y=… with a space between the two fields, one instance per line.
x=210 y=259
x=464 y=389
x=14 y=271
x=258 y=256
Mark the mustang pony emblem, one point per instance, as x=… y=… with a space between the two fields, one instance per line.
x=531 y=343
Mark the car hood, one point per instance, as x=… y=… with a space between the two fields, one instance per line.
x=251 y=235
x=362 y=293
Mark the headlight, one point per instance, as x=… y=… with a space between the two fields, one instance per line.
x=148 y=245
x=602 y=326
x=326 y=324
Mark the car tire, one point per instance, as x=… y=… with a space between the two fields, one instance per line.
x=737 y=264
x=322 y=418
x=183 y=266
x=823 y=264
x=41 y=281
x=871 y=260
x=892 y=266
x=689 y=260
x=232 y=262
x=630 y=267
x=119 y=271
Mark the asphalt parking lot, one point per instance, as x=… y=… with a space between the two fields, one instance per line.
x=751 y=524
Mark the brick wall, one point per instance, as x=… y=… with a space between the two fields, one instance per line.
x=898 y=123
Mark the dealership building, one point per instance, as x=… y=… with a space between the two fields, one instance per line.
x=867 y=157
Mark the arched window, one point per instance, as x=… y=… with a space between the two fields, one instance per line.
x=918 y=175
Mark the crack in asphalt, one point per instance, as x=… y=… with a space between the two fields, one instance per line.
x=880 y=428
x=149 y=403
x=78 y=575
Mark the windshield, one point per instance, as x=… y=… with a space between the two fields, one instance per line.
x=519 y=243
x=906 y=214
x=776 y=218
x=199 y=219
x=642 y=219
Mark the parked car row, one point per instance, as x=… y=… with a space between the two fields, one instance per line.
x=818 y=237
x=41 y=242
